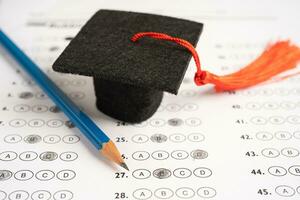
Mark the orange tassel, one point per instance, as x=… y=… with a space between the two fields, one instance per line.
x=277 y=58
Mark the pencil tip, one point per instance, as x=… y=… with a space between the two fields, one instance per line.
x=124 y=166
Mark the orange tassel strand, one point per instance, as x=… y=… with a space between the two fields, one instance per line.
x=277 y=58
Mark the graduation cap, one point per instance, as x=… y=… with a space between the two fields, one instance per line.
x=129 y=78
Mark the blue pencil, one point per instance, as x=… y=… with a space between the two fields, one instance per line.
x=94 y=134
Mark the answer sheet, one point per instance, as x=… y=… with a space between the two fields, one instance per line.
x=199 y=145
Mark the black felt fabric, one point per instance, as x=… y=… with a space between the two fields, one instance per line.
x=125 y=102
x=103 y=49
x=129 y=77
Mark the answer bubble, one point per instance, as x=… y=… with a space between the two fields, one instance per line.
x=182 y=173
x=45 y=175
x=41 y=195
x=295 y=170
x=140 y=155
x=21 y=108
x=5 y=175
x=66 y=175
x=8 y=156
x=159 y=138
x=28 y=156
x=55 y=123
x=68 y=156
x=48 y=156
x=190 y=107
x=23 y=175
x=193 y=122
x=63 y=195
x=71 y=139
x=276 y=120
x=277 y=171
x=175 y=122
x=141 y=173
x=294 y=119
x=32 y=139
x=179 y=154
x=285 y=191
x=157 y=122
x=142 y=194
x=270 y=105
x=36 y=123
x=290 y=152
x=185 y=193
x=253 y=106
x=258 y=120
x=196 y=137
x=264 y=136
x=288 y=105
x=173 y=107
x=270 y=152
x=177 y=137
x=206 y=192
x=41 y=96
x=39 y=108
x=17 y=123
x=162 y=173
x=51 y=139
x=163 y=193
x=139 y=138
x=160 y=155
x=12 y=138
x=18 y=195
x=199 y=154
x=25 y=95
x=283 y=135
x=202 y=172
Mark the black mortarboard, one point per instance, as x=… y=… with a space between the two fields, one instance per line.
x=129 y=78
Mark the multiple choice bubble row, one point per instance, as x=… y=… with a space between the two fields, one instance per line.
x=287 y=191
x=197 y=154
x=192 y=122
x=275 y=120
x=249 y=93
x=163 y=173
x=173 y=107
x=36 y=195
x=279 y=135
x=75 y=95
x=44 y=156
x=48 y=139
x=21 y=108
x=167 y=193
x=287 y=105
x=37 y=123
x=42 y=175
x=161 y=138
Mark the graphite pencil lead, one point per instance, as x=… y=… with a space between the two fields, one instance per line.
x=124 y=166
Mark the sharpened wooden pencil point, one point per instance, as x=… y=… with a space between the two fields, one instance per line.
x=110 y=151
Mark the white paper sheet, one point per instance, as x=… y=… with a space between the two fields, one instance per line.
x=199 y=145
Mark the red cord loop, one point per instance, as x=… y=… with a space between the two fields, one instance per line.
x=199 y=75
